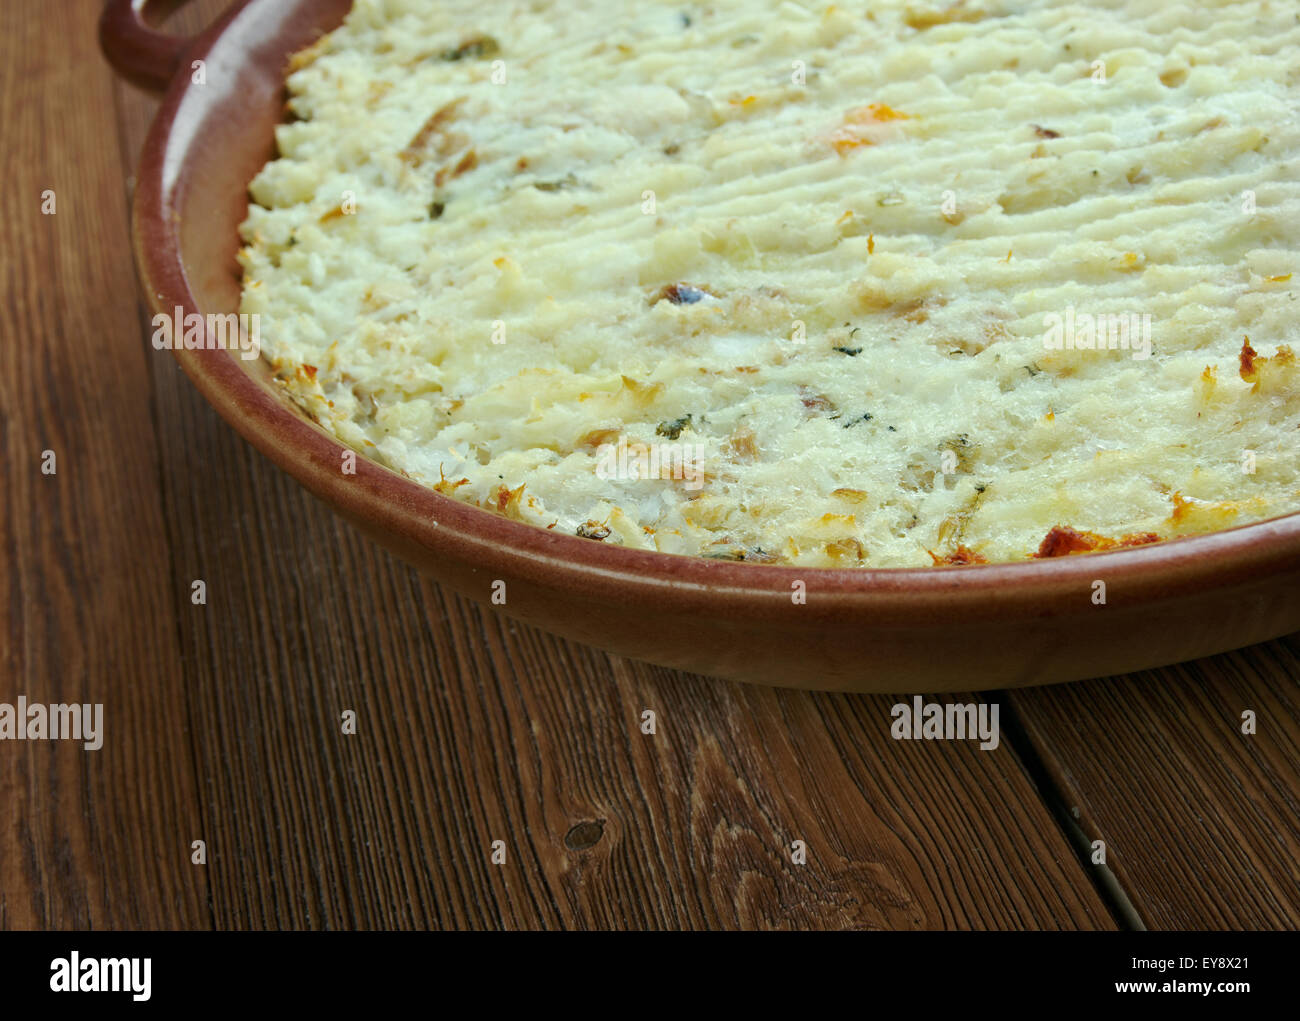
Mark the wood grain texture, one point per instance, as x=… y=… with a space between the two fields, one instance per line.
x=224 y=719
x=1201 y=822
x=88 y=839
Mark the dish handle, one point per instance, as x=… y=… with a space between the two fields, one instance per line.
x=138 y=52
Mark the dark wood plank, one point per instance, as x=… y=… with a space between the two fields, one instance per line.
x=88 y=839
x=472 y=729
x=1201 y=822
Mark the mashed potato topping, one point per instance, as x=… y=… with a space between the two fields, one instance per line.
x=885 y=284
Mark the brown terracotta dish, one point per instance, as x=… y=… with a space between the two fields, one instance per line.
x=899 y=630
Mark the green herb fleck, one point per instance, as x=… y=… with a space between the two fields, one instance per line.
x=673 y=429
x=568 y=181
x=474 y=48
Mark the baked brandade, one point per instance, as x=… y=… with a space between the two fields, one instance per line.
x=800 y=285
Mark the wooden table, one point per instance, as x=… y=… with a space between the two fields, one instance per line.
x=222 y=721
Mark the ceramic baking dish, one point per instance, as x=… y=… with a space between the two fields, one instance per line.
x=902 y=630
